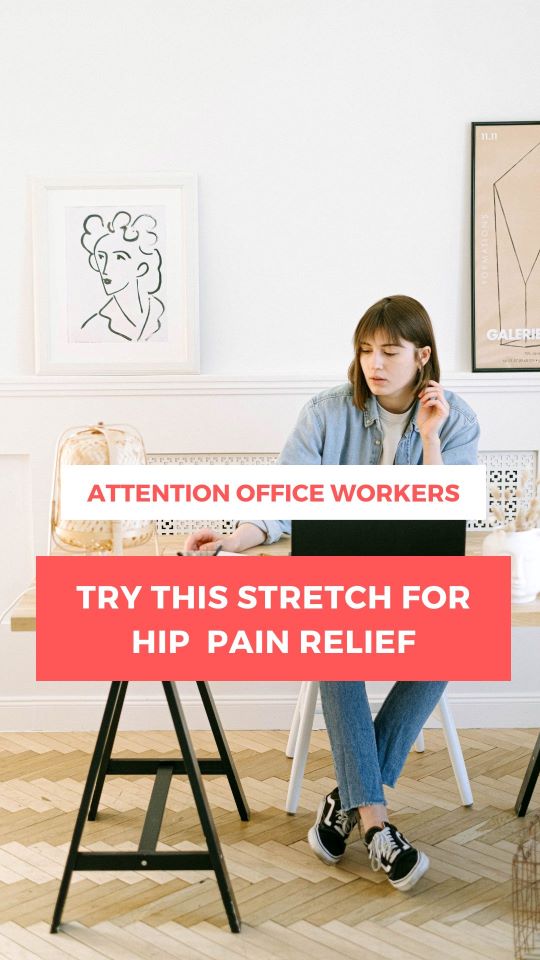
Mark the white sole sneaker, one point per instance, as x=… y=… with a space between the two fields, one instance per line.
x=321 y=852
x=414 y=876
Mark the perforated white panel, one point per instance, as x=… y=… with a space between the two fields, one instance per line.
x=504 y=468
x=178 y=527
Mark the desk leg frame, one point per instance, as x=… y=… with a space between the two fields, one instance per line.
x=101 y=764
x=529 y=781
x=203 y=807
x=91 y=780
x=223 y=749
x=108 y=749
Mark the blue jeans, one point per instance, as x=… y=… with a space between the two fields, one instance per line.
x=366 y=752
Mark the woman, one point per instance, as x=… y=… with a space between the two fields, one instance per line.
x=392 y=410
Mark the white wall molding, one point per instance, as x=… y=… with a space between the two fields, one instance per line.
x=496 y=383
x=207 y=385
x=186 y=386
x=266 y=712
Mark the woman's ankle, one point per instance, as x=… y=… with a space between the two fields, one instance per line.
x=374 y=815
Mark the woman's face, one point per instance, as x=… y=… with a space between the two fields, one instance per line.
x=391 y=369
x=117 y=262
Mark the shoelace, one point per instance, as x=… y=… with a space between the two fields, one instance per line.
x=383 y=846
x=344 y=822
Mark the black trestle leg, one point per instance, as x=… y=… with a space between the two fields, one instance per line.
x=223 y=749
x=111 y=736
x=147 y=856
x=203 y=808
x=529 y=781
x=93 y=772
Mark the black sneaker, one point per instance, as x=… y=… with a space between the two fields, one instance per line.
x=329 y=834
x=389 y=850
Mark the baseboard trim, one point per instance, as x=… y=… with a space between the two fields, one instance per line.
x=240 y=713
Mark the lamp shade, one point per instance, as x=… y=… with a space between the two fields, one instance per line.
x=97 y=445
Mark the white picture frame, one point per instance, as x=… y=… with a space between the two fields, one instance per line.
x=116 y=274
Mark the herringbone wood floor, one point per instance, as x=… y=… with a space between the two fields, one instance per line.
x=291 y=904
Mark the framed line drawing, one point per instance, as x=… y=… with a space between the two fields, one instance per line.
x=116 y=275
x=505 y=246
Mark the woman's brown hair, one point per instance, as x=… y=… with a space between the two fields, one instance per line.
x=400 y=318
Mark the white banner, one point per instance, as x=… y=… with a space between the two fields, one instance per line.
x=273 y=492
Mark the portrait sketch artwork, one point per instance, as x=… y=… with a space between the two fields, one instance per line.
x=115 y=273
x=506 y=246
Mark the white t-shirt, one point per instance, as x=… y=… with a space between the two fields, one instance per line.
x=393 y=427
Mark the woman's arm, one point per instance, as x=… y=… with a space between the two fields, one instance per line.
x=245 y=536
x=432 y=451
x=432 y=413
x=448 y=436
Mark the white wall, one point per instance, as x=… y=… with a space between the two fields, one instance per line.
x=330 y=137
x=331 y=141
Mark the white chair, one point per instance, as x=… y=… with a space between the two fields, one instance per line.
x=300 y=735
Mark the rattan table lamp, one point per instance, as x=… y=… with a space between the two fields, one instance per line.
x=100 y=444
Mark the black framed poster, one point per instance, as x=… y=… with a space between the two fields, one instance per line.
x=506 y=246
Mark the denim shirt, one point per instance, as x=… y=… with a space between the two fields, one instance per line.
x=331 y=430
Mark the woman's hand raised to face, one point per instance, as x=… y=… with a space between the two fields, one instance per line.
x=433 y=410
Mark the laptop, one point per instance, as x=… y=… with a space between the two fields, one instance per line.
x=378 y=538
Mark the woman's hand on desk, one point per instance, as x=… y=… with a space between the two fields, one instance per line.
x=245 y=536
x=205 y=539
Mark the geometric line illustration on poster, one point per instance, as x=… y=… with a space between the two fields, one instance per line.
x=516 y=211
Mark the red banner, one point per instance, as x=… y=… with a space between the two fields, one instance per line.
x=273 y=618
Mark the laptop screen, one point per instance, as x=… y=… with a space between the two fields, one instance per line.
x=378 y=538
